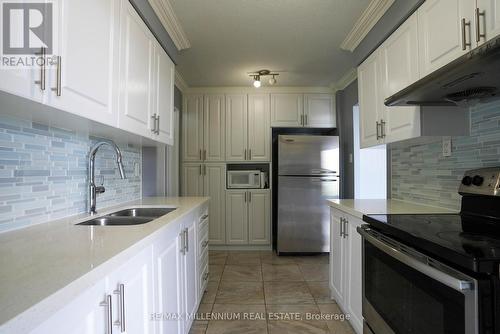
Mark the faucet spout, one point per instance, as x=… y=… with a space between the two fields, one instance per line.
x=91 y=163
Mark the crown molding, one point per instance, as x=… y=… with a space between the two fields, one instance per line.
x=262 y=90
x=167 y=17
x=180 y=82
x=346 y=80
x=370 y=16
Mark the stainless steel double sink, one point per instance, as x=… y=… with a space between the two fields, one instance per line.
x=133 y=216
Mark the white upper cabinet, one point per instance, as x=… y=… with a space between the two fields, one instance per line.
x=399 y=67
x=446 y=31
x=287 y=110
x=214 y=128
x=136 y=69
x=370 y=104
x=259 y=128
x=164 y=96
x=319 y=111
x=488 y=18
x=236 y=127
x=192 y=128
x=86 y=82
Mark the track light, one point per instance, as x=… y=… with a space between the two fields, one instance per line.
x=272 y=81
x=256 y=81
x=262 y=73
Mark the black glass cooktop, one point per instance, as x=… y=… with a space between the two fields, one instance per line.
x=469 y=242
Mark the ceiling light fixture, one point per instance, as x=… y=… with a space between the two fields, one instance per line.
x=262 y=73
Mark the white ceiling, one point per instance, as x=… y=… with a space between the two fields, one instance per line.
x=232 y=37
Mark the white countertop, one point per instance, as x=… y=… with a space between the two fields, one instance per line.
x=44 y=266
x=360 y=207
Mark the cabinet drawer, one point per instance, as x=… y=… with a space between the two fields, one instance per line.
x=203 y=257
x=204 y=276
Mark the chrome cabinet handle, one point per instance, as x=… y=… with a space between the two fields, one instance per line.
x=43 y=70
x=245 y=198
x=157 y=124
x=306 y=119
x=201 y=171
x=478 y=25
x=346 y=234
x=109 y=314
x=201 y=157
x=204 y=244
x=205 y=277
x=249 y=196
x=203 y=217
x=464 y=36
x=378 y=125
x=204 y=155
x=183 y=242
x=57 y=89
x=245 y=153
x=153 y=117
x=341 y=223
x=382 y=128
x=186 y=233
x=204 y=169
x=301 y=119
x=121 y=307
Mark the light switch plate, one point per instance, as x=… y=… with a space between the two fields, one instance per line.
x=446 y=146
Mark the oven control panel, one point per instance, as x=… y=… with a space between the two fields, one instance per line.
x=484 y=181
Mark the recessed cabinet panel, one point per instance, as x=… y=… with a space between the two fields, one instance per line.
x=236 y=217
x=192 y=128
x=136 y=105
x=259 y=128
x=215 y=188
x=287 y=110
x=89 y=79
x=259 y=217
x=214 y=128
x=236 y=128
x=319 y=111
x=369 y=101
x=192 y=180
x=442 y=36
x=164 y=93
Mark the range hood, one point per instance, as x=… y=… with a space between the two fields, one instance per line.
x=472 y=78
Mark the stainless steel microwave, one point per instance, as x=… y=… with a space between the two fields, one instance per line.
x=246 y=179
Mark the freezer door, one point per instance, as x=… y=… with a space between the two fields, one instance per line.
x=303 y=215
x=308 y=155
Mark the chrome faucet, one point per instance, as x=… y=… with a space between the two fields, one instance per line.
x=93 y=189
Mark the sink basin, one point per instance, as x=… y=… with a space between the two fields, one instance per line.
x=143 y=212
x=116 y=221
x=133 y=216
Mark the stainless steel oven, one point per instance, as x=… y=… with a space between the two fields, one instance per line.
x=405 y=291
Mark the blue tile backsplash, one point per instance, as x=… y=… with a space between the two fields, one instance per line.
x=43 y=173
x=421 y=174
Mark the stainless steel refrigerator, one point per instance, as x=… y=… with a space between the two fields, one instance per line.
x=308 y=174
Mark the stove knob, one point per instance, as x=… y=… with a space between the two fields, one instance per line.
x=467 y=181
x=477 y=180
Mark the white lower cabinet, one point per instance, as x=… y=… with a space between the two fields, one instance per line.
x=346 y=272
x=248 y=217
x=156 y=291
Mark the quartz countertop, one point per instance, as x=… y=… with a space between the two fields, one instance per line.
x=45 y=266
x=360 y=207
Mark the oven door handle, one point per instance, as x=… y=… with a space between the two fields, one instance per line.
x=455 y=282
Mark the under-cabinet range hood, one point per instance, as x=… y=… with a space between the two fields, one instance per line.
x=472 y=78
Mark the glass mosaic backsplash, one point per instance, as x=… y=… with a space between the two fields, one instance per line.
x=421 y=174
x=43 y=173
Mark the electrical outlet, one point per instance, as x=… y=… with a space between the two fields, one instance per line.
x=446 y=146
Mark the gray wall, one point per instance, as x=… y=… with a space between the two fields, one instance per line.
x=392 y=19
x=345 y=100
x=149 y=16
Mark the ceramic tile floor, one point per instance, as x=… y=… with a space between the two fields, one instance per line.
x=259 y=292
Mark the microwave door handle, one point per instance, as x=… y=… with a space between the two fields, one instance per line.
x=455 y=283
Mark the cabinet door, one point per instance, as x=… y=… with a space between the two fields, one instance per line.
x=337 y=259
x=259 y=127
x=319 y=111
x=192 y=128
x=89 y=85
x=259 y=217
x=236 y=217
x=236 y=127
x=490 y=22
x=441 y=35
x=369 y=101
x=83 y=315
x=215 y=188
x=190 y=273
x=354 y=273
x=164 y=95
x=287 y=110
x=399 y=67
x=192 y=180
x=137 y=278
x=169 y=281
x=214 y=128
x=136 y=69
